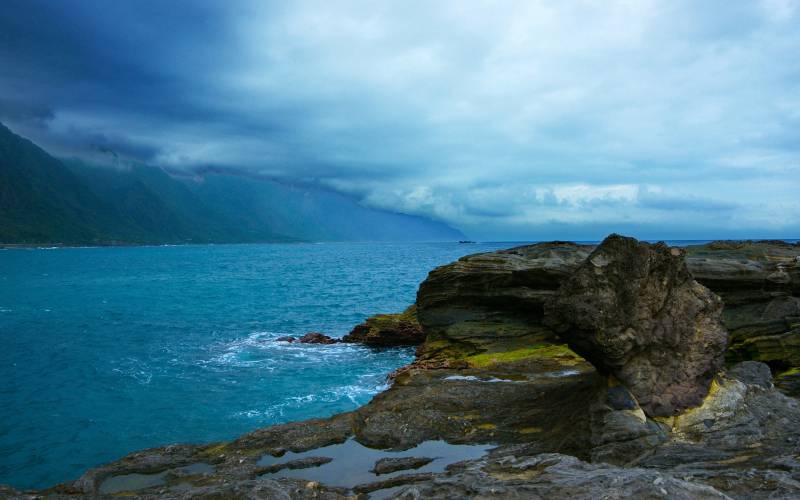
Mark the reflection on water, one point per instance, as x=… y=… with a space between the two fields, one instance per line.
x=352 y=462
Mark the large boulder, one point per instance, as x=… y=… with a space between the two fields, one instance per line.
x=635 y=312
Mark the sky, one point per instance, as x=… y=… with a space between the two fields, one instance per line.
x=510 y=120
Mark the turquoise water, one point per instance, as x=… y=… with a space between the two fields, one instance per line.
x=104 y=351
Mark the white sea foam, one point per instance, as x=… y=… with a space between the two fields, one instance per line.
x=564 y=373
x=473 y=378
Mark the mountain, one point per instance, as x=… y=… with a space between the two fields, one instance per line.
x=44 y=200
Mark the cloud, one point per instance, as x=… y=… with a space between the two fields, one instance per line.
x=519 y=120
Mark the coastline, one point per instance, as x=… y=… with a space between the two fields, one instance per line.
x=531 y=397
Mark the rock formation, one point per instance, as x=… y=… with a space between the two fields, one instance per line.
x=388 y=330
x=759 y=282
x=493 y=301
x=316 y=338
x=633 y=310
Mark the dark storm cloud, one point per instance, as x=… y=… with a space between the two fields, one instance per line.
x=519 y=120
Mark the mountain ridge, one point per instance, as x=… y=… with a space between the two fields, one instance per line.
x=45 y=200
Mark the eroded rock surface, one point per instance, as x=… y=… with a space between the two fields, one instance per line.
x=493 y=301
x=633 y=310
x=759 y=282
x=316 y=338
x=388 y=330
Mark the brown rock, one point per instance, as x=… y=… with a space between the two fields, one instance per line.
x=388 y=330
x=316 y=338
x=634 y=311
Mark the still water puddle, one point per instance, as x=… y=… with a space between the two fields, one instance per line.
x=352 y=462
x=133 y=482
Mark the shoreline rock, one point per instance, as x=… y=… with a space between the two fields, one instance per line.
x=316 y=338
x=388 y=330
x=633 y=310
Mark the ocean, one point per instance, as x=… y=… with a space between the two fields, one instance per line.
x=104 y=351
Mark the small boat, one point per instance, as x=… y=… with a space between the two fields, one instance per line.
x=465 y=242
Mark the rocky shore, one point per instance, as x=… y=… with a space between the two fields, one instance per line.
x=549 y=370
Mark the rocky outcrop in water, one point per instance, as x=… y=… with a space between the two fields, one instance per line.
x=388 y=330
x=633 y=310
x=316 y=338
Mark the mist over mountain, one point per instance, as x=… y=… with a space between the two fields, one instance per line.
x=46 y=200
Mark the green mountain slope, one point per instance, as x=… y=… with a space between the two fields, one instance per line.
x=44 y=200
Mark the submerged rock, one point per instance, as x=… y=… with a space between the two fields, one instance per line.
x=388 y=330
x=633 y=310
x=387 y=465
x=316 y=338
x=303 y=463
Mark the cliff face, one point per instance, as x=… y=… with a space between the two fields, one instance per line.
x=759 y=282
x=493 y=302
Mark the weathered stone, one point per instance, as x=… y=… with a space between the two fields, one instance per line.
x=759 y=281
x=751 y=373
x=388 y=330
x=393 y=482
x=633 y=310
x=387 y=465
x=302 y=463
x=510 y=475
x=493 y=301
x=620 y=431
x=316 y=338
x=788 y=381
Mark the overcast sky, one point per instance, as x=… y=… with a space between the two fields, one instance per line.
x=509 y=120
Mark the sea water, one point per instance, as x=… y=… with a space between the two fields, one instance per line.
x=104 y=351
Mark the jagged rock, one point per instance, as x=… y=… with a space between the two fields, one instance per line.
x=633 y=310
x=493 y=301
x=287 y=338
x=388 y=330
x=316 y=338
